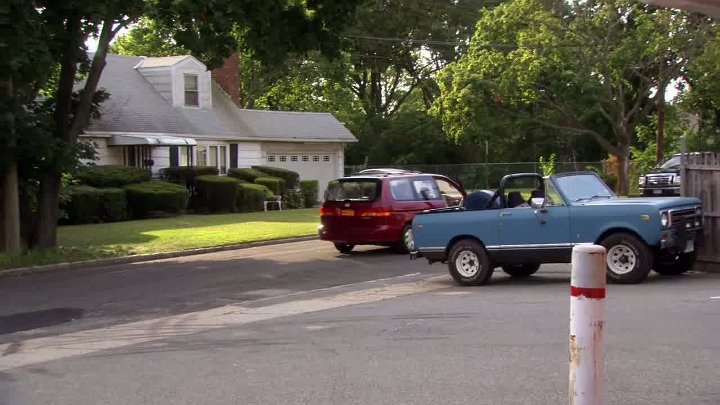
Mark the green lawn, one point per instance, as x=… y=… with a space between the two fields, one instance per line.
x=84 y=242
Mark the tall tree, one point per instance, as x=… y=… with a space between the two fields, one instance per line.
x=25 y=64
x=590 y=72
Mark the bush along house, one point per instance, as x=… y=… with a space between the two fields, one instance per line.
x=172 y=111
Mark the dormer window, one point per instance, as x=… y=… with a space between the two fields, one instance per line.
x=192 y=98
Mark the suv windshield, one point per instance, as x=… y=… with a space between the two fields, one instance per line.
x=669 y=165
x=353 y=189
x=583 y=187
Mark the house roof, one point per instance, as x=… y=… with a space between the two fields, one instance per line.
x=709 y=7
x=163 y=61
x=135 y=106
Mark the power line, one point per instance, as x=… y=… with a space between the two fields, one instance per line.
x=456 y=44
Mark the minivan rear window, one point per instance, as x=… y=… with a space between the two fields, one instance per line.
x=353 y=189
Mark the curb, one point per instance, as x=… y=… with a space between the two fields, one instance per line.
x=21 y=271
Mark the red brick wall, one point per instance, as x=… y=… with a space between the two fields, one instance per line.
x=228 y=77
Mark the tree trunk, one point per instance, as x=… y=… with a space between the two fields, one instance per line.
x=660 y=136
x=623 y=172
x=10 y=207
x=47 y=211
x=10 y=220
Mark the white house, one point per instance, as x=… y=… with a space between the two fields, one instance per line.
x=171 y=111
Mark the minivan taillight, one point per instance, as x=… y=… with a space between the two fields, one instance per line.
x=375 y=212
x=329 y=212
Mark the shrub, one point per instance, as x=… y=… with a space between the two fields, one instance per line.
x=309 y=190
x=145 y=198
x=274 y=184
x=246 y=174
x=216 y=193
x=186 y=174
x=293 y=199
x=291 y=178
x=113 y=204
x=111 y=175
x=87 y=204
x=250 y=197
x=83 y=205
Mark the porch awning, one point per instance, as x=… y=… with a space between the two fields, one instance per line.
x=156 y=140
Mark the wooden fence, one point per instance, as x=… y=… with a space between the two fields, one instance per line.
x=701 y=178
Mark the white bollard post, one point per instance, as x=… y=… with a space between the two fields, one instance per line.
x=587 y=325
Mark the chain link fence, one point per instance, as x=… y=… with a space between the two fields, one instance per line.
x=475 y=176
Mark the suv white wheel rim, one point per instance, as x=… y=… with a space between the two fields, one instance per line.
x=621 y=259
x=467 y=263
x=409 y=240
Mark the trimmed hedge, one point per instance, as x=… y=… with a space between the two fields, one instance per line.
x=216 y=193
x=113 y=204
x=274 y=184
x=111 y=175
x=145 y=198
x=309 y=190
x=89 y=204
x=250 y=197
x=83 y=207
x=186 y=174
x=291 y=178
x=246 y=174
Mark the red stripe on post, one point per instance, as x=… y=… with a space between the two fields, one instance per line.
x=592 y=293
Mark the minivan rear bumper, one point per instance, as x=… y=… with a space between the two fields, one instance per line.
x=383 y=234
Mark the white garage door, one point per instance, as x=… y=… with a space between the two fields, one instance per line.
x=320 y=166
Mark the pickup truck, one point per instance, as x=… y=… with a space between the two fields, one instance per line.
x=519 y=232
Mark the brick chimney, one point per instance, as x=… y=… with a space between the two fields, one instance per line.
x=227 y=77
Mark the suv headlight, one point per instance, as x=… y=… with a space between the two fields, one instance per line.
x=676 y=180
x=641 y=180
x=665 y=219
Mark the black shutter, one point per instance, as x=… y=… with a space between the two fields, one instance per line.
x=174 y=156
x=233 y=155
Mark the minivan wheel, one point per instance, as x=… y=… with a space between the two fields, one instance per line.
x=468 y=263
x=407 y=242
x=344 y=247
x=628 y=258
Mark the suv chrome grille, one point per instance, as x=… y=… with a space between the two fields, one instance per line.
x=659 y=180
x=687 y=219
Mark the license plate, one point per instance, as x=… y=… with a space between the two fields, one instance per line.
x=347 y=213
x=690 y=246
x=657 y=191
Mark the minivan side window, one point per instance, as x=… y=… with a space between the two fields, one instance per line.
x=414 y=190
x=401 y=190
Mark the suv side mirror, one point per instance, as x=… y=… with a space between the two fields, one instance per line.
x=537 y=202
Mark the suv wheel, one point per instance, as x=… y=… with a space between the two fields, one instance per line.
x=521 y=270
x=674 y=264
x=468 y=263
x=344 y=247
x=628 y=258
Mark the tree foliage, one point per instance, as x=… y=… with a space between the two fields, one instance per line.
x=593 y=71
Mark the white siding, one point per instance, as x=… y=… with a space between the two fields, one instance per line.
x=161 y=158
x=105 y=155
x=249 y=154
x=190 y=66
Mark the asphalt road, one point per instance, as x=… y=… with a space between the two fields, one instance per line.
x=301 y=324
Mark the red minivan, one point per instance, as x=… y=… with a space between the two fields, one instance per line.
x=376 y=207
